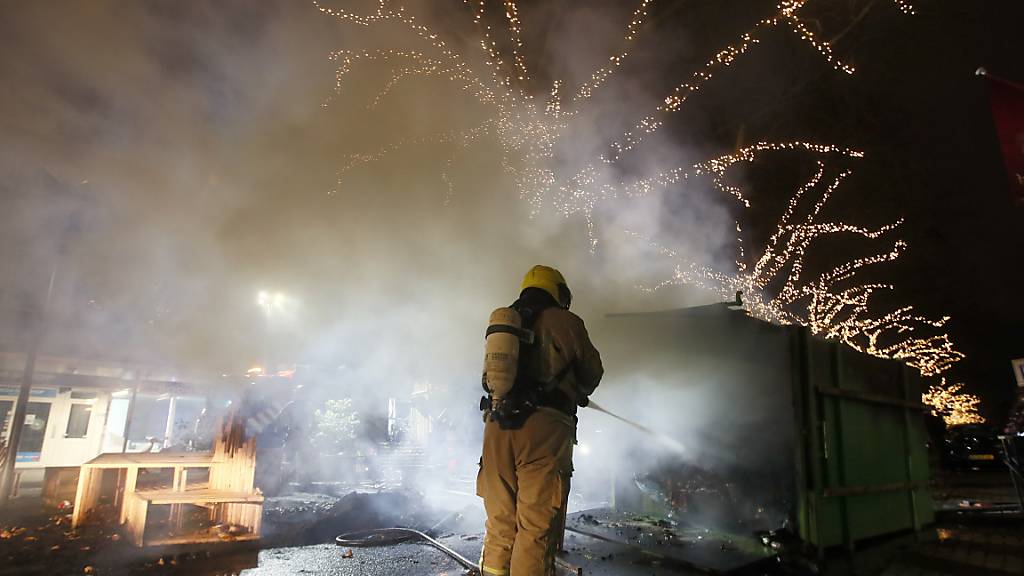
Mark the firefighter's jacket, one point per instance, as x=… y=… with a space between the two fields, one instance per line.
x=563 y=348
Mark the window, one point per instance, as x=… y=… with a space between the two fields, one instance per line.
x=149 y=419
x=78 y=422
x=5 y=412
x=33 y=433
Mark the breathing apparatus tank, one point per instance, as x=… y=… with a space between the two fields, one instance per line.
x=501 y=356
x=504 y=345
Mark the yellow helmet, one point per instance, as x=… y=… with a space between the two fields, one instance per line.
x=549 y=280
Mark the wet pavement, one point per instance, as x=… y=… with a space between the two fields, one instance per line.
x=668 y=540
x=301 y=528
x=329 y=559
x=958 y=546
x=595 y=557
x=967 y=546
x=462 y=533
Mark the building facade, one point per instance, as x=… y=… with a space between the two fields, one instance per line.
x=78 y=409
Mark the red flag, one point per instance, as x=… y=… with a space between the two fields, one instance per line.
x=1007 y=99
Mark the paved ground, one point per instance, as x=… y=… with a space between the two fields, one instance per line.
x=961 y=488
x=966 y=550
x=601 y=559
x=968 y=540
x=961 y=545
x=965 y=544
x=329 y=559
x=979 y=547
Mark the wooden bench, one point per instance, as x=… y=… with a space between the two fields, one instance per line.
x=231 y=508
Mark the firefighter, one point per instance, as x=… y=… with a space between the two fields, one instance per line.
x=527 y=450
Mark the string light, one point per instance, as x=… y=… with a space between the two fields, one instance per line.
x=905 y=6
x=833 y=305
x=528 y=133
x=953 y=406
x=515 y=28
x=600 y=76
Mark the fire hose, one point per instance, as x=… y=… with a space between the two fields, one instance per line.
x=393 y=536
x=665 y=440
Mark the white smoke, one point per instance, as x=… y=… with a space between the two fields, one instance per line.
x=198 y=139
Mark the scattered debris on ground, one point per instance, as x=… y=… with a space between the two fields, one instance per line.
x=299 y=529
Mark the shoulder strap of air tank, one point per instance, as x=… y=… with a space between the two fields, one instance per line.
x=522 y=334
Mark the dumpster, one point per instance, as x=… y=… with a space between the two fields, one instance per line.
x=782 y=430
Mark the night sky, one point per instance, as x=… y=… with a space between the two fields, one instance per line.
x=170 y=159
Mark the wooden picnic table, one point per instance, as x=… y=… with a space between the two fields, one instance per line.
x=91 y=479
x=230 y=493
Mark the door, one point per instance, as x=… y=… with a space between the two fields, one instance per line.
x=34 y=432
x=117 y=417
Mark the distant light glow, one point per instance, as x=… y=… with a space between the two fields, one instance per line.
x=271 y=302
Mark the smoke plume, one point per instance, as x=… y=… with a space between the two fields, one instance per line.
x=171 y=161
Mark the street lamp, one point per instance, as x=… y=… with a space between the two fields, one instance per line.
x=271 y=303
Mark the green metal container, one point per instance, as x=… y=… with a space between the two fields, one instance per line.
x=837 y=434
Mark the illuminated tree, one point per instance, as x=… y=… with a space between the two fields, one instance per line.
x=334 y=426
x=953 y=406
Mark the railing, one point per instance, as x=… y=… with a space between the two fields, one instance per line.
x=1013 y=452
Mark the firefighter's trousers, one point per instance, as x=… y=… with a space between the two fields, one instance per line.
x=524 y=481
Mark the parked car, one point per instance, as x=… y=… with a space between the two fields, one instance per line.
x=973 y=446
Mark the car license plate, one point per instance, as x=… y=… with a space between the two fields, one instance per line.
x=981 y=457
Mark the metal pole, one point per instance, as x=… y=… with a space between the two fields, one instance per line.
x=18 y=419
x=172 y=410
x=131 y=411
x=267 y=368
x=1012 y=460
